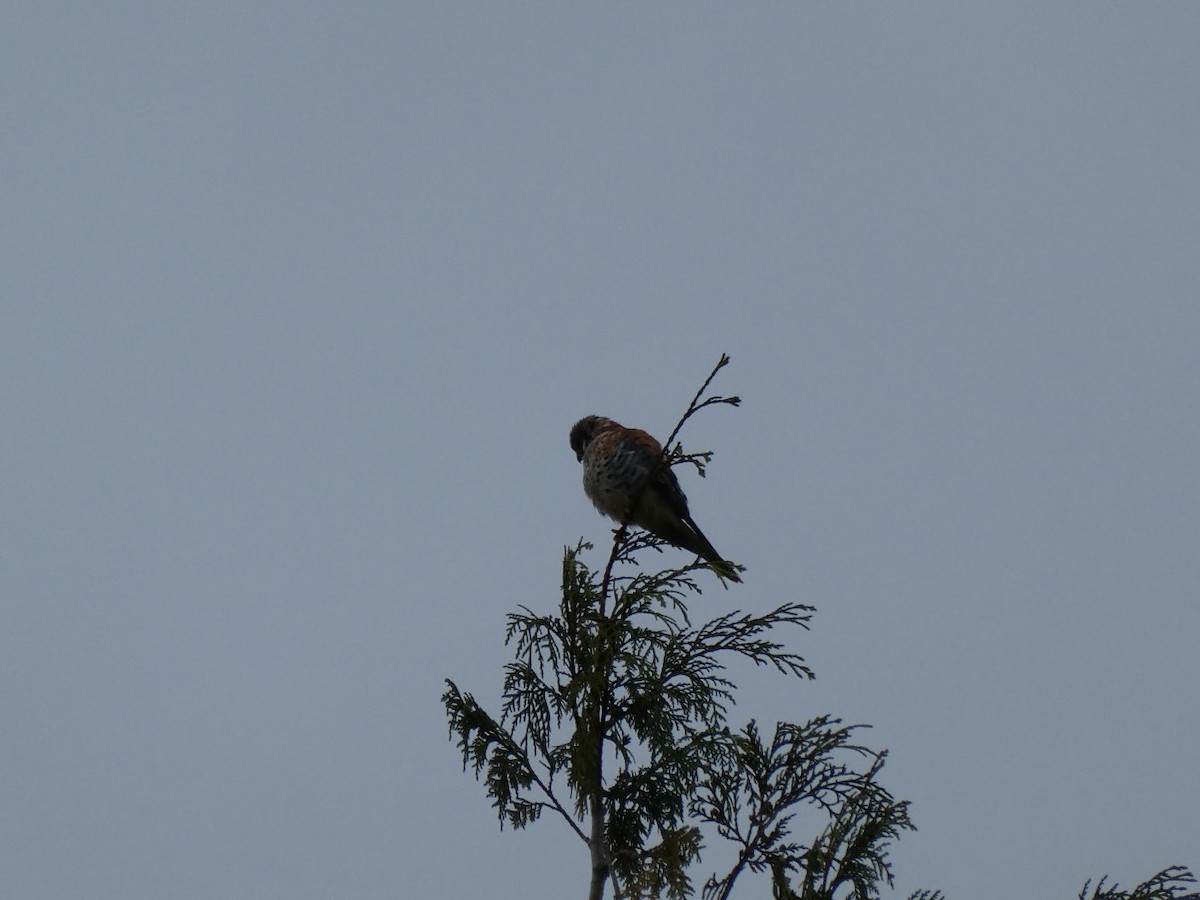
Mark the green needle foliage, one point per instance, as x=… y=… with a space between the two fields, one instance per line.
x=753 y=799
x=1172 y=883
x=614 y=719
x=617 y=722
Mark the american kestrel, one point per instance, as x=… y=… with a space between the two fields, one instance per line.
x=616 y=463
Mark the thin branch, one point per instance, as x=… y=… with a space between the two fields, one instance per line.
x=558 y=807
x=695 y=406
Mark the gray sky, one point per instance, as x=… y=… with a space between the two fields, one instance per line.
x=300 y=301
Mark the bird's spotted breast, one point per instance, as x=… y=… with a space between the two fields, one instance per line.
x=615 y=471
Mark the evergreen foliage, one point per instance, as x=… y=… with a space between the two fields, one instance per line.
x=1169 y=884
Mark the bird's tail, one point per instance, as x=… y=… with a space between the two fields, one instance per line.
x=680 y=530
x=725 y=569
x=702 y=547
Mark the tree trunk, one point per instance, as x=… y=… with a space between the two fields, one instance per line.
x=600 y=863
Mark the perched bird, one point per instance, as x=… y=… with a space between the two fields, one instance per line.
x=617 y=461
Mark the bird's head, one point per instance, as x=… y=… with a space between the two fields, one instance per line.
x=582 y=433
